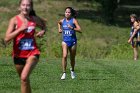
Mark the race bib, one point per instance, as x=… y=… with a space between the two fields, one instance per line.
x=26 y=44
x=67 y=33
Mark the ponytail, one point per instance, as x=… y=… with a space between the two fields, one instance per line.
x=32 y=12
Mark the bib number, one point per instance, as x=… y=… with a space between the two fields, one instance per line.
x=67 y=33
x=26 y=44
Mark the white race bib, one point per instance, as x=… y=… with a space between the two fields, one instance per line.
x=67 y=33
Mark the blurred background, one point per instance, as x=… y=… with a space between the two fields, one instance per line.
x=105 y=25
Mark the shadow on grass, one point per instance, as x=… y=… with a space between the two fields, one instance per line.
x=93 y=79
x=98 y=75
x=121 y=15
x=92 y=15
x=88 y=14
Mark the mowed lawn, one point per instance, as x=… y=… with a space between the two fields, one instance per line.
x=93 y=76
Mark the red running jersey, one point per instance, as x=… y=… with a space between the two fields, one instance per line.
x=24 y=43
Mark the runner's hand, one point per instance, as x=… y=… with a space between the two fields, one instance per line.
x=40 y=34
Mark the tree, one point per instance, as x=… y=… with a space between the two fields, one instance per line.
x=108 y=8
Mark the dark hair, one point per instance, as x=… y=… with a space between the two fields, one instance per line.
x=32 y=12
x=73 y=12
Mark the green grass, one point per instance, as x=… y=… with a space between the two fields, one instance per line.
x=93 y=76
x=101 y=64
x=97 y=40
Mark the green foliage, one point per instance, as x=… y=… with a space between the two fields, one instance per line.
x=129 y=2
x=108 y=8
x=96 y=41
x=5 y=3
x=121 y=51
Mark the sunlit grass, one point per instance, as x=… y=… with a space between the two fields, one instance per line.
x=96 y=41
x=93 y=75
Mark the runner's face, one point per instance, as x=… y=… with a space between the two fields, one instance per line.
x=25 y=7
x=67 y=13
x=132 y=19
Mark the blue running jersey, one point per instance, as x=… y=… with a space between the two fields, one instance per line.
x=69 y=35
x=135 y=42
x=132 y=31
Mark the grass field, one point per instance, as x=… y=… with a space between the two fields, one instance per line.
x=98 y=40
x=93 y=76
x=103 y=63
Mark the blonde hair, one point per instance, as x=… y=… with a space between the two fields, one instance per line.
x=134 y=16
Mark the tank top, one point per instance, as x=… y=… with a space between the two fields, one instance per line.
x=131 y=31
x=68 y=33
x=24 y=44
